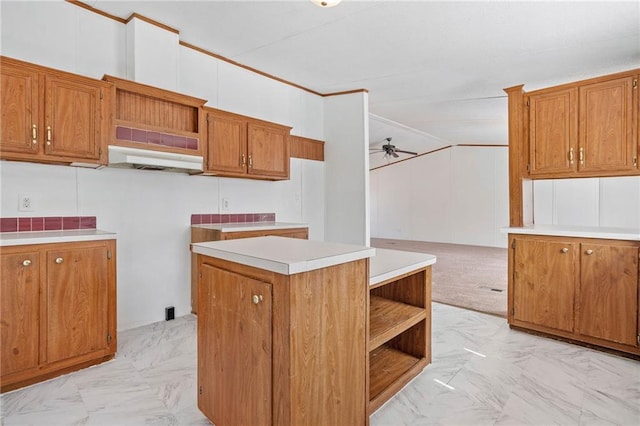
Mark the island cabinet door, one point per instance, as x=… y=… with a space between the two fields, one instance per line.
x=234 y=348
x=544 y=283
x=608 y=295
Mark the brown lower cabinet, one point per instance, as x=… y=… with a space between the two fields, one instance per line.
x=201 y=234
x=582 y=289
x=58 y=309
x=282 y=349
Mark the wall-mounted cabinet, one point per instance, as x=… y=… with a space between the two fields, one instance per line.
x=584 y=129
x=240 y=146
x=52 y=116
x=578 y=288
x=58 y=309
x=151 y=118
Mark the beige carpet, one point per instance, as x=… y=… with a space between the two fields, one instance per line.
x=471 y=277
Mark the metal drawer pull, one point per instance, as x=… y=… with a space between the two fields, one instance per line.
x=59 y=260
x=34 y=134
x=256 y=299
x=565 y=250
x=589 y=252
x=26 y=262
x=48 y=135
x=571 y=156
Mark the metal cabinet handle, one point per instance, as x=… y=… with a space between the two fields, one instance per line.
x=589 y=252
x=48 y=135
x=571 y=156
x=26 y=262
x=565 y=250
x=34 y=134
x=250 y=162
x=59 y=260
x=244 y=160
x=581 y=155
x=256 y=299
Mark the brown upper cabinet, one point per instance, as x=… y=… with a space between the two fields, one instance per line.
x=52 y=116
x=151 y=118
x=240 y=146
x=583 y=129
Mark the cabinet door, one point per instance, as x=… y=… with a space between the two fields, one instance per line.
x=72 y=118
x=544 y=283
x=234 y=348
x=19 y=108
x=77 y=301
x=553 y=130
x=268 y=151
x=608 y=296
x=606 y=126
x=227 y=145
x=19 y=317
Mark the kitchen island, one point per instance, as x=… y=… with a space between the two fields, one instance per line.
x=283 y=329
x=231 y=231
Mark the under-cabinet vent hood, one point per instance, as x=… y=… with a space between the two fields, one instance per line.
x=145 y=159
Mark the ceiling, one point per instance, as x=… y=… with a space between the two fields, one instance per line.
x=434 y=70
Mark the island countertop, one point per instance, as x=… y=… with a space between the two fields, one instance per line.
x=46 y=237
x=250 y=226
x=609 y=233
x=389 y=264
x=283 y=255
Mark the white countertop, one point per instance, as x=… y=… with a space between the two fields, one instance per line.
x=630 y=234
x=46 y=237
x=387 y=264
x=250 y=226
x=282 y=255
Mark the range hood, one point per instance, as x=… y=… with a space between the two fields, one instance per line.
x=146 y=159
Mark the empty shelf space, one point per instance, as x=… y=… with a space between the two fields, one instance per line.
x=389 y=318
x=386 y=367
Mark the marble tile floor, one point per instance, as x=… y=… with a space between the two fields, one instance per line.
x=482 y=373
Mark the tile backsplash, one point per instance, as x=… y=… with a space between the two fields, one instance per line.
x=156 y=138
x=199 y=219
x=54 y=223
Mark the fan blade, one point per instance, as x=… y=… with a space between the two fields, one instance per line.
x=394 y=154
x=406 y=152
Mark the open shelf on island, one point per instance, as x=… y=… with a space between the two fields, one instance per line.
x=389 y=370
x=389 y=318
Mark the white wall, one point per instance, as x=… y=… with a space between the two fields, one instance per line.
x=457 y=195
x=151 y=210
x=609 y=202
x=346 y=153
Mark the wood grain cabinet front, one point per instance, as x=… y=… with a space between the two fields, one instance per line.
x=52 y=116
x=200 y=234
x=279 y=349
x=58 y=309
x=240 y=146
x=581 y=289
x=583 y=129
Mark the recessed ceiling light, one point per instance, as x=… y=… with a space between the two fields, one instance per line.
x=326 y=3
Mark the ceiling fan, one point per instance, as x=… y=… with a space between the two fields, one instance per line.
x=390 y=150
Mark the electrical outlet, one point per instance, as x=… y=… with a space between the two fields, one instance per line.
x=225 y=204
x=25 y=203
